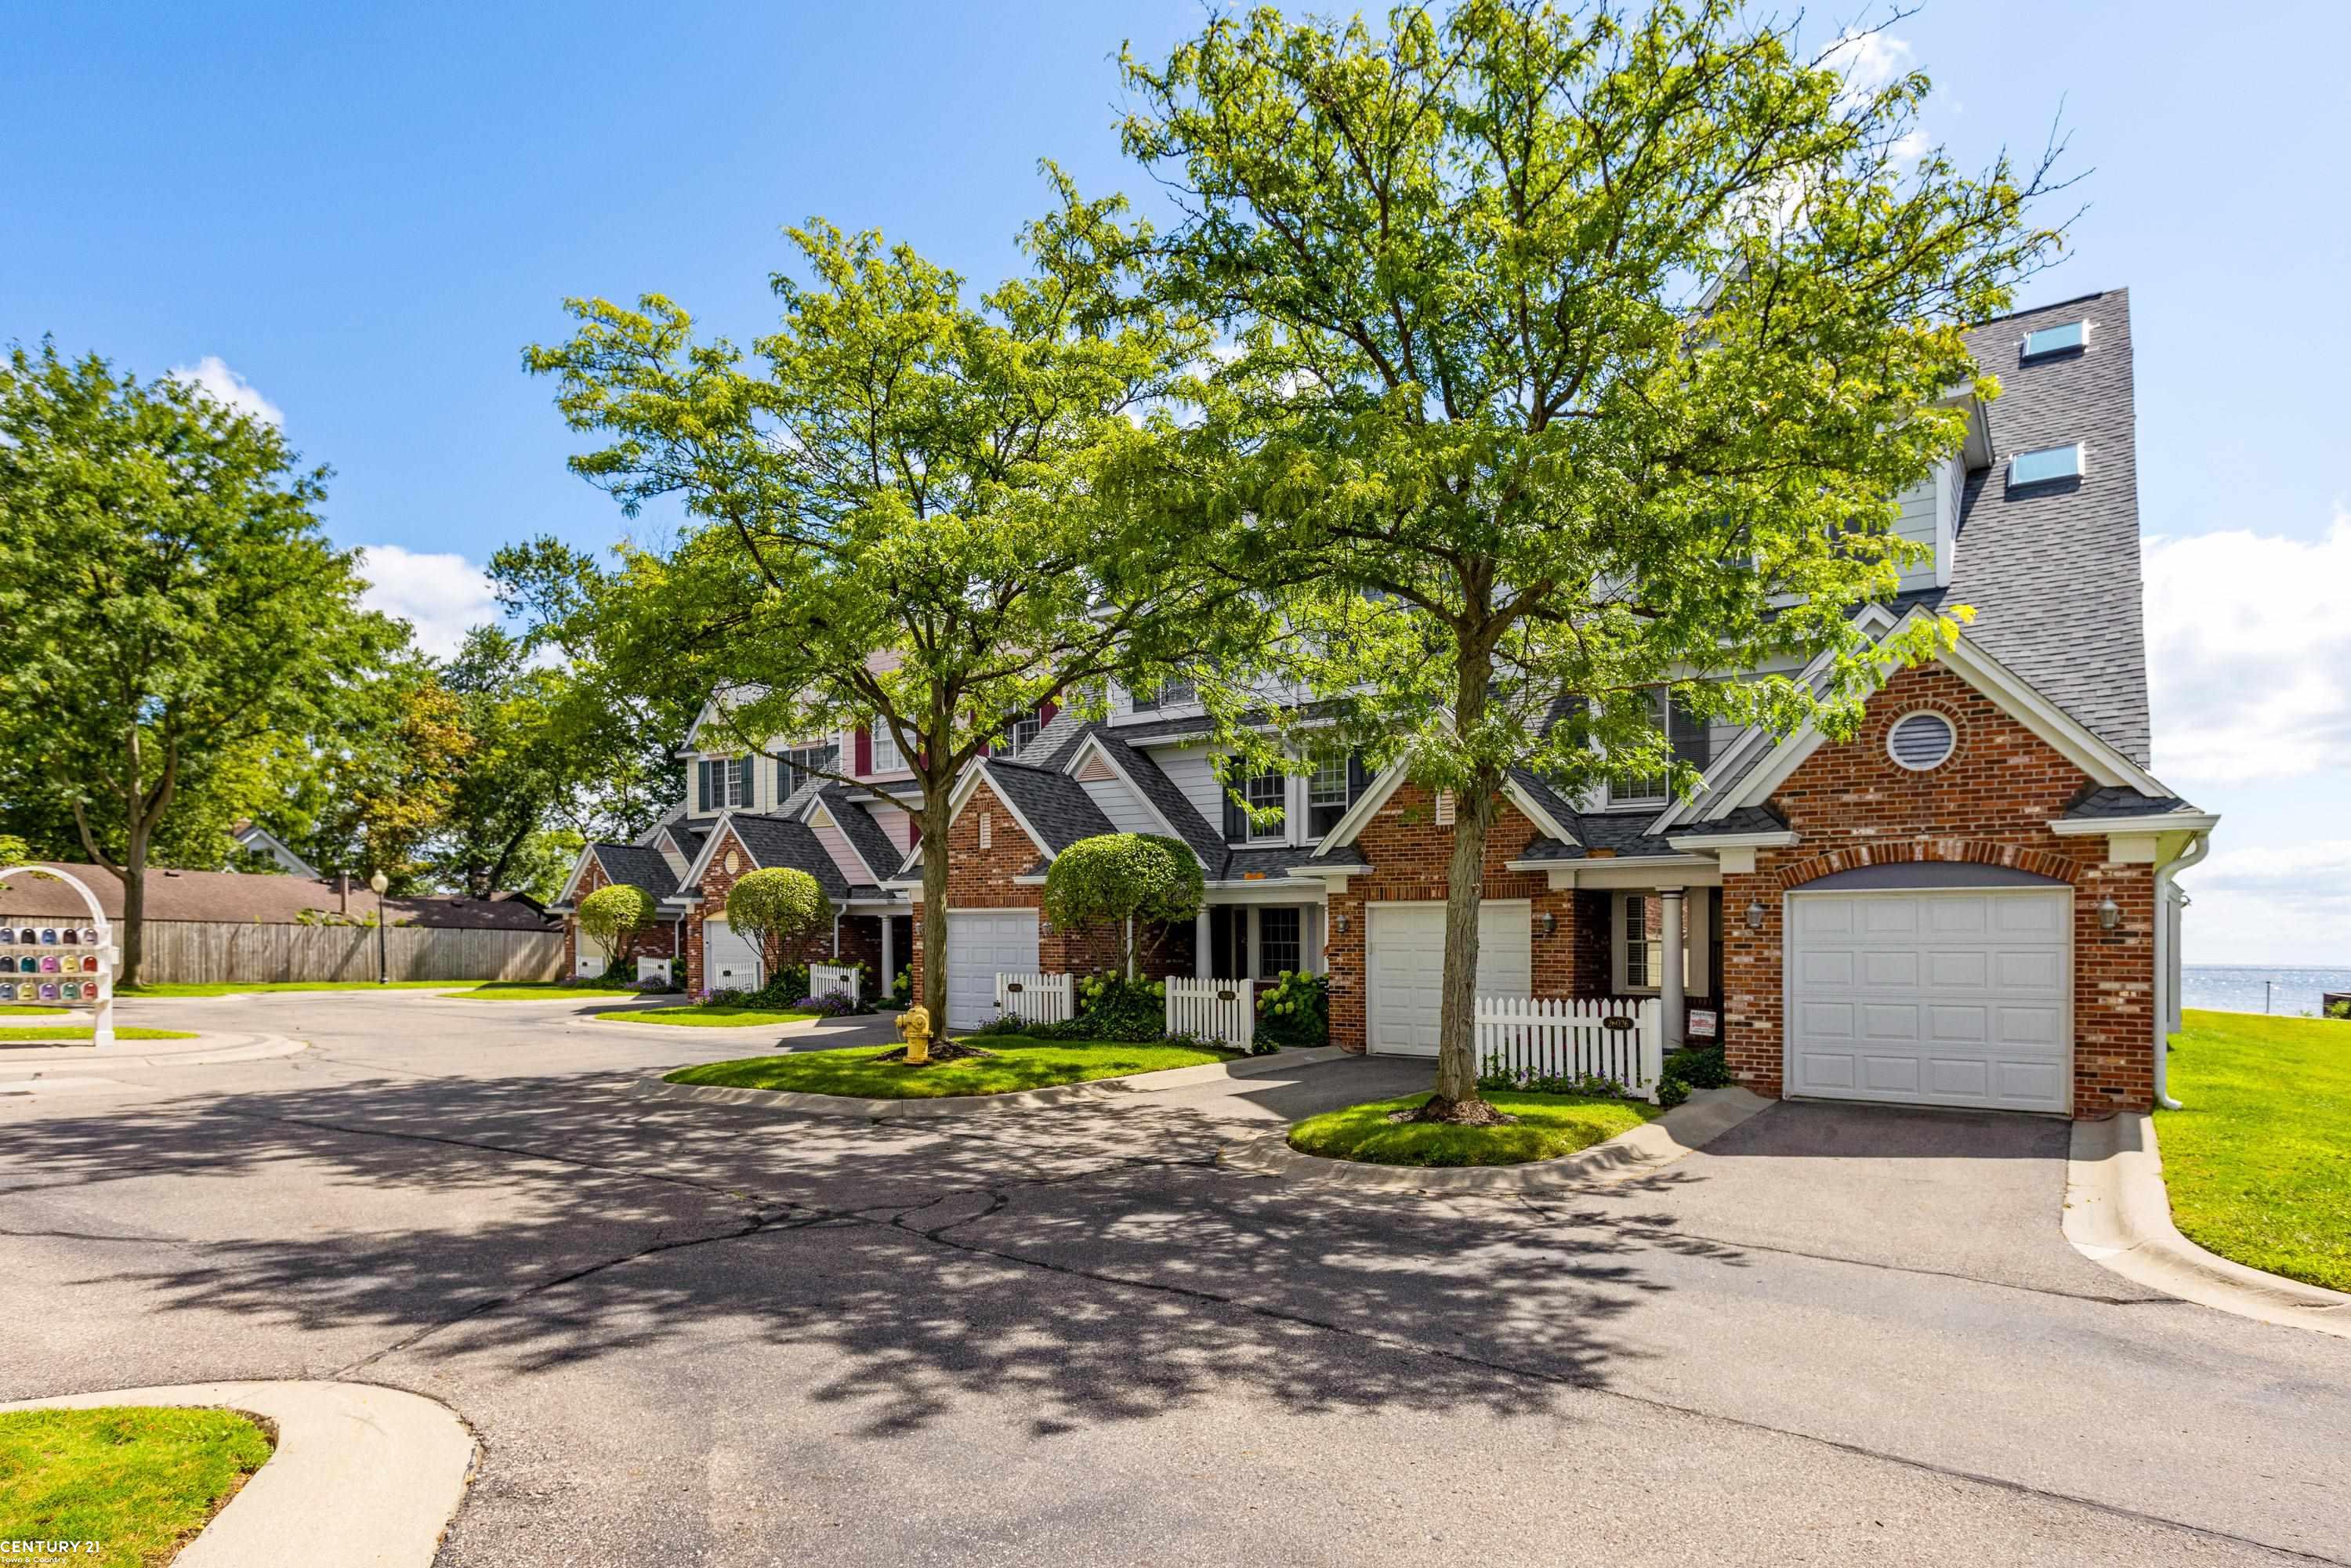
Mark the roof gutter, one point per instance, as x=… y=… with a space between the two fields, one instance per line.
x=2164 y=1000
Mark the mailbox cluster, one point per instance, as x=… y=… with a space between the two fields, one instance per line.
x=51 y=964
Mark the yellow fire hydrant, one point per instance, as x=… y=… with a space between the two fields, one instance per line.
x=915 y=1023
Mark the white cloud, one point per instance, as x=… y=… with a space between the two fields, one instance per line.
x=2250 y=653
x=212 y=376
x=443 y=596
x=2288 y=905
x=1869 y=61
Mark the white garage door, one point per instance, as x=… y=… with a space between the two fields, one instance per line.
x=729 y=961
x=1404 y=961
x=1949 y=997
x=980 y=944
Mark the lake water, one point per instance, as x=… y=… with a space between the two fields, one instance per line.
x=2251 y=991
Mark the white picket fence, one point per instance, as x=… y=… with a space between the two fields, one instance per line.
x=1212 y=1010
x=1037 y=999
x=824 y=980
x=1620 y=1038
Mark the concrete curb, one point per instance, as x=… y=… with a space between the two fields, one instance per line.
x=2118 y=1215
x=363 y=1476
x=204 y=1051
x=949 y=1106
x=1694 y=1124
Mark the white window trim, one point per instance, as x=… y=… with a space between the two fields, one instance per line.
x=1281 y=831
x=878 y=736
x=1697 y=943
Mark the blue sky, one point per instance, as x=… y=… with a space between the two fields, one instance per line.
x=358 y=215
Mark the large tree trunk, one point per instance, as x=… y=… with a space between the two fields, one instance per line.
x=1457 y=1098
x=133 y=877
x=934 y=904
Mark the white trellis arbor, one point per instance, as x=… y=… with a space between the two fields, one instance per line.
x=103 y=1030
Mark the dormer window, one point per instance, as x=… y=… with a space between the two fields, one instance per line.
x=1019 y=730
x=2044 y=465
x=1173 y=692
x=2067 y=337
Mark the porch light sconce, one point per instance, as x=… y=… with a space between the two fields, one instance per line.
x=2110 y=915
x=1550 y=922
x=1757 y=914
x=1340 y=923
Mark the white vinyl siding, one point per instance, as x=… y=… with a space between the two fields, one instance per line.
x=1189 y=769
x=1930 y=517
x=835 y=843
x=1127 y=813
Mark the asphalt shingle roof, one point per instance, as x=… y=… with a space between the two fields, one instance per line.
x=2052 y=570
x=1055 y=804
x=775 y=842
x=865 y=835
x=638 y=865
x=1171 y=802
x=2121 y=800
x=1746 y=819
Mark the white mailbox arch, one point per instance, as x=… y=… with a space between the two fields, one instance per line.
x=103 y=1030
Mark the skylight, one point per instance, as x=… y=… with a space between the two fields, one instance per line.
x=2045 y=464
x=2056 y=340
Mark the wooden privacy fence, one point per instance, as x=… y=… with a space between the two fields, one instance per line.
x=1617 y=1037
x=211 y=951
x=1212 y=1010
x=1037 y=999
x=824 y=980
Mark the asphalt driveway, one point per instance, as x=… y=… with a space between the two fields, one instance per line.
x=688 y=1333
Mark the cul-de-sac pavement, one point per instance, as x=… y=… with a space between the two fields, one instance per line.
x=690 y=1332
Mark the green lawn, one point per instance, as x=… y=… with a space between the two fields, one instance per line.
x=1019 y=1064
x=14 y=1010
x=66 y=1033
x=536 y=991
x=707 y=1015
x=2259 y=1163
x=1549 y=1125
x=242 y=987
x=138 y=1481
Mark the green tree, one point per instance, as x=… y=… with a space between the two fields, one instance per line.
x=896 y=522
x=168 y=596
x=1123 y=878
x=612 y=915
x=384 y=771
x=522 y=773
x=775 y=904
x=1575 y=356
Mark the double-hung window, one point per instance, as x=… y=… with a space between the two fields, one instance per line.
x=1019 y=729
x=802 y=765
x=887 y=757
x=1278 y=949
x=1326 y=796
x=723 y=783
x=1268 y=791
x=1687 y=734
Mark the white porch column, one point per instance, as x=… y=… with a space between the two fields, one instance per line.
x=1203 y=968
x=889 y=953
x=1671 y=999
x=1310 y=918
x=1249 y=958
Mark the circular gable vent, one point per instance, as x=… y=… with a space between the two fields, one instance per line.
x=1921 y=740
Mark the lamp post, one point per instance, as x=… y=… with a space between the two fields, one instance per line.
x=382 y=952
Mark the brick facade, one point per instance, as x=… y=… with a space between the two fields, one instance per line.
x=1409 y=854
x=983 y=879
x=860 y=939
x=1851 y=806
x=660 y=941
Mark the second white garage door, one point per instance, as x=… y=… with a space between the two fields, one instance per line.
x=1404 y=961
x=980 y=943
x=1948 y=997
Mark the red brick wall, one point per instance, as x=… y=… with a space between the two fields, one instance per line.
x=659 y=941
x=1990 y=804
x=982 y=879
x=1410 y=855
x=816 y=948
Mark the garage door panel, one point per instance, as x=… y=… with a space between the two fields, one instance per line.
x=1406 y=955
x=730 y=962
x=1953 y=998
x=981 y=945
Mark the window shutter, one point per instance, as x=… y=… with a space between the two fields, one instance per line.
x=1237 y=826
x=864 y=751
x=1045 y=711
x=784 y=782
x=702 y=784
x=744 y=779
x=1359 y=778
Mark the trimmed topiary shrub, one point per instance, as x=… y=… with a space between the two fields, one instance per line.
x=1122 y=878
x=612 y=917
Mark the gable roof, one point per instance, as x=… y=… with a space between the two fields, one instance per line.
x=864 y=834
x=1159 y=792
x=638 y=865
x=1053 y=807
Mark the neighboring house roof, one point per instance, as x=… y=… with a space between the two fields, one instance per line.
x=1052 y=803
x=258 y=899
x=261 y=841
x=786 y=841
x=638 y=865
x=2052 y=570
x=864 y=834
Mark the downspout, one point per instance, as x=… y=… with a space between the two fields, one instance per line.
x=2197 y=850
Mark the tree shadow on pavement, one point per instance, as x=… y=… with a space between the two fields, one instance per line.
x=1089 y=1261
